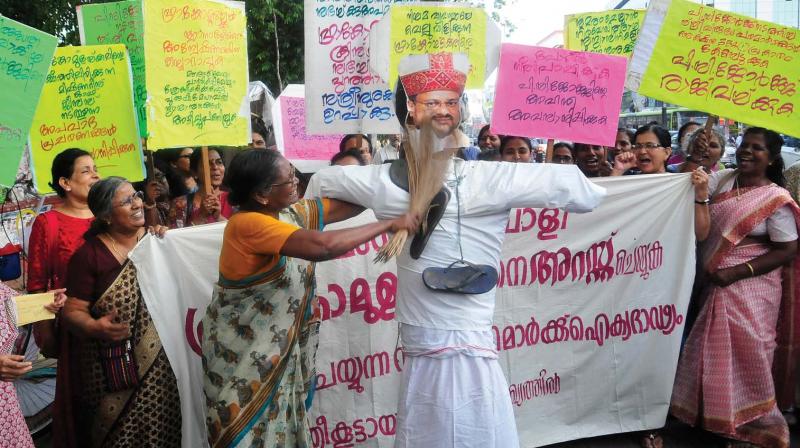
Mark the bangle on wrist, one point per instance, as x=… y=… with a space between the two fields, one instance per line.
x=752 y=271
x=704 y=202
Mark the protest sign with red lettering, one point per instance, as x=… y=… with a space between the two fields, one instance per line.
x=589 y=315
x=308 y=152
x=557 y=93
x=719 y=62
x=343 y=96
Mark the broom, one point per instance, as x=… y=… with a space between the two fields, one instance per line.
x=426 y=174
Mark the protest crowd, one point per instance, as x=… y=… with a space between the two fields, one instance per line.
x=419 y=211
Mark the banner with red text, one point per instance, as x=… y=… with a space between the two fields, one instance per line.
x=719 y=62
x=557 y=93
x=342 y=95
x=590 y=311
x=307 y=152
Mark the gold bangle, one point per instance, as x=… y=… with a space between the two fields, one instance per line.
x=752 y=271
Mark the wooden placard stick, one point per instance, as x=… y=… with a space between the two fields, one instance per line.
x=712 y=119
x=548 y=155
x=205 y=172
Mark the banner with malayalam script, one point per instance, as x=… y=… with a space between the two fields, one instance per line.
x=87 y=103
x=119 y=23
x=307 y=152
x=607 y=32
x=557 y=93
x=719 y=62
x=589 y=316
x=342 y=95
x=25 y=55
x=196 y=73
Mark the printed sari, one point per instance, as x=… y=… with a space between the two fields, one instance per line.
x=737 y=365
x=259 y=350
x=13 y=430
x=147 y=415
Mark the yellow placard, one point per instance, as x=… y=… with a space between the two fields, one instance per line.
x=196 y=73
x=436 y=29
x=30 y=308
x=607 y=32
x=87 y=103
x=726 y=64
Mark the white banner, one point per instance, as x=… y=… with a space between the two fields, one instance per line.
x=589 y=317
x=342 y=95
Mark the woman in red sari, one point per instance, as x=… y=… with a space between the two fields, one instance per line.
x=55 y=236
x=745 y=331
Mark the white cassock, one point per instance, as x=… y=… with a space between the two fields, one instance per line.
x=454 y=393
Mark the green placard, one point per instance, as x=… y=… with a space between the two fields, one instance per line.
x=119 y=23
x=25 y=55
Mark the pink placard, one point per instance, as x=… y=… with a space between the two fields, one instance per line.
x=559 y=94
x=297 y=144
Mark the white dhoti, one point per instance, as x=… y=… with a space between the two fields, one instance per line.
x=453 y=393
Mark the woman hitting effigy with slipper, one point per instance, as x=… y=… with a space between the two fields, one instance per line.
x=261 y=328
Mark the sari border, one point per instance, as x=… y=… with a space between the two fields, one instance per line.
x=264 y=277
x=250 y=413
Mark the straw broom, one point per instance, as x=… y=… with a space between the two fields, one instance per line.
x=426 y=174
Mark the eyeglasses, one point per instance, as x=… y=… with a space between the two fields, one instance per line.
x=129 y=201
x=647 y=146
x=563 y=160
x=185 y=156
x=433 y=104
x=292 y=181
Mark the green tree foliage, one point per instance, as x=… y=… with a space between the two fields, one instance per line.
x=56 y=17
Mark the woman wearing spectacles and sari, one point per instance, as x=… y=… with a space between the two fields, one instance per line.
x=129 y=394
x=194 y=209
x=261 y=328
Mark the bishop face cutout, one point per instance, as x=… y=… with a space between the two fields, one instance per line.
x=440 y=107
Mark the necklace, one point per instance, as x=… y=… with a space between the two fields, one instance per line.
x=738 y=193
x=115 y=249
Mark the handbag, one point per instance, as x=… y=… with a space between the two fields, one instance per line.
x=119 y=363
x=119 y=366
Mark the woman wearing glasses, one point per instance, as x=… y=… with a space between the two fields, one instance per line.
x=261 y=328
x=128 y=394
x=194 y=209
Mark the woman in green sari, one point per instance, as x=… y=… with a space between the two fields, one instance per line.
x=261 y=328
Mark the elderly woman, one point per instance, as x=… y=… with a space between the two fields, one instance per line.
x=194 y=209
x=55 y=236
x=701 y=150
x=516 y=149
x=262 y=325
x=129 y=394
x=744 y=331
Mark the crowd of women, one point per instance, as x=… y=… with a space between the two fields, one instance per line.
x=115 y=386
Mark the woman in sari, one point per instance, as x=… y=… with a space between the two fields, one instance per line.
x=261 y=328
x=745 y=331
x=129 y=395
x=55 y=236
x=193 y=209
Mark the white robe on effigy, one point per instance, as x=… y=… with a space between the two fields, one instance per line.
x=454 y=393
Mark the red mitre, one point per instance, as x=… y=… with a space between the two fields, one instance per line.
x=430 y=72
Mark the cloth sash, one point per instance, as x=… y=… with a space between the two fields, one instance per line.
x=734 y=215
